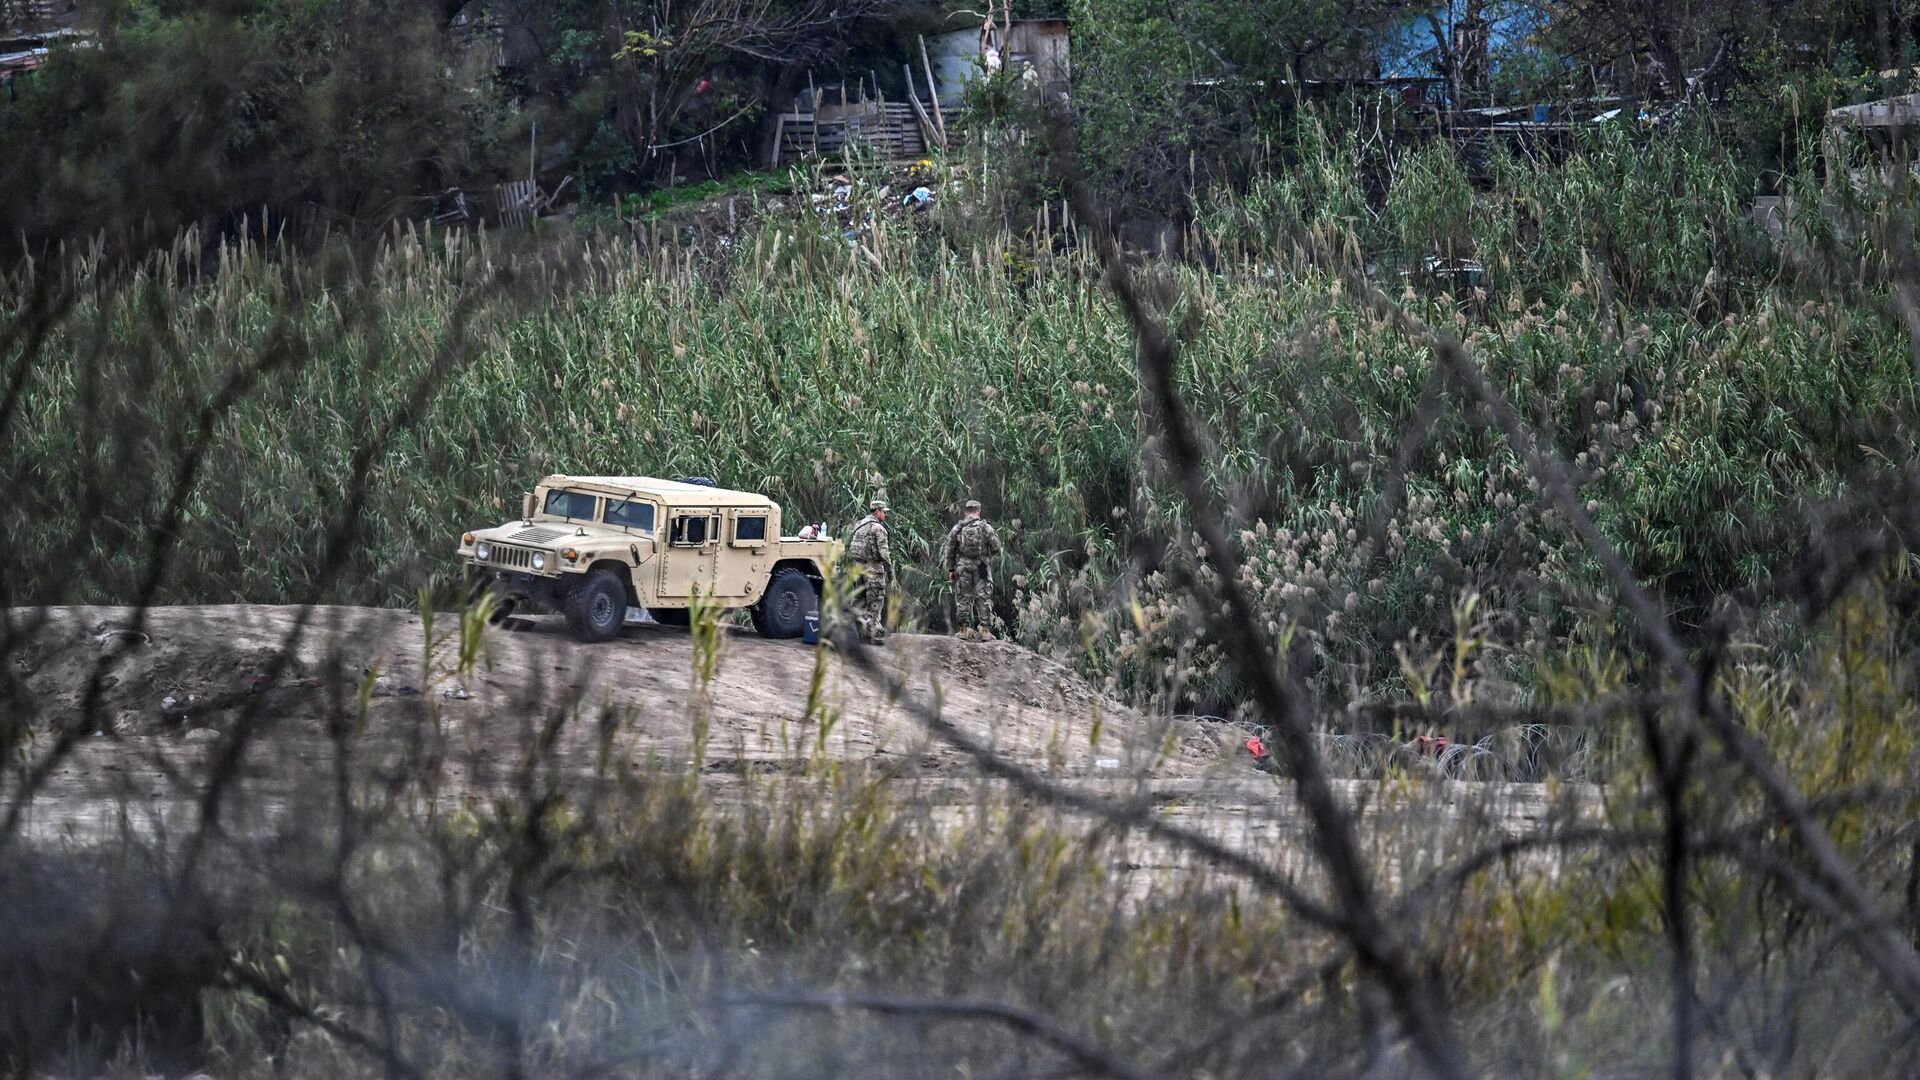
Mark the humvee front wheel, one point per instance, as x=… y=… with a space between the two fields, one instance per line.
x=782 y=612
x=597 y=606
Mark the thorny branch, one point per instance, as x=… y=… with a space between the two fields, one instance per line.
x=1880 y=945
x=1087 y=1055
x=1359 y=916
x=1253 y=650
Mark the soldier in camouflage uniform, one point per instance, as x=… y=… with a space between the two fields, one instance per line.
x=971 y=545
x=867 y=547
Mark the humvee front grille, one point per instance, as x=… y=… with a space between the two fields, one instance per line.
x=501 y=555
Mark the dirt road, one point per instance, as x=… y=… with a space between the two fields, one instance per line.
x=175 y=682
x=316 y=687
x=188 y=669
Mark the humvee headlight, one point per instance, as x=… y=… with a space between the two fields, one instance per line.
x=483 y=552
x=539 y=560
x=467 y=539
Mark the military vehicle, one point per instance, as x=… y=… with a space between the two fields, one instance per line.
x=606 y=550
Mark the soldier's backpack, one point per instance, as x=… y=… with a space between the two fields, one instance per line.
x=973 y=540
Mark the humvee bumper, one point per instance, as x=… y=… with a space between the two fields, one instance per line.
x=524 y=589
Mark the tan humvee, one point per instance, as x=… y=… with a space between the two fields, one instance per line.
x=604 y=549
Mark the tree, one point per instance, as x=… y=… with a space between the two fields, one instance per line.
x=1706 y=38
x=338 y=112
x=1160 y=88
x=635 y=78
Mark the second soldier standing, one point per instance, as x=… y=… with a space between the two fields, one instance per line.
x=972 y=544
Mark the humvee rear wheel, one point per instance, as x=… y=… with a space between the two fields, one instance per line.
x=782 y=612
x=597 y=606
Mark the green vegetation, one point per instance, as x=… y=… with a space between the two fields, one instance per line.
x=1625 y=302
x=747 y=182
x=293 y=118
x=235 y=367
x=1718 y=405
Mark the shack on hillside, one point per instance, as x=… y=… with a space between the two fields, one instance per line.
x=924 y=112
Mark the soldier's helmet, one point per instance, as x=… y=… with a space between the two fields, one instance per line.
x=973 y=505
x=877 y=505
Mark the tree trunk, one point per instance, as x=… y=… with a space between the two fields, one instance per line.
x=1883 y=34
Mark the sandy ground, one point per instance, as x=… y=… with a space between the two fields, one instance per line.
x=174 y=688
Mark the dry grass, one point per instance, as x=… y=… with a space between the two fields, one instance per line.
x=299 y=428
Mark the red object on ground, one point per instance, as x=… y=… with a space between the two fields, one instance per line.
x=703 y=86
x=1255 y=747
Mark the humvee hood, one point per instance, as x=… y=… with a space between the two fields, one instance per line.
x=556 y=534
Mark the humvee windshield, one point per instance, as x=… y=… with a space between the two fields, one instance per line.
x=570 y=504
x=633 y=515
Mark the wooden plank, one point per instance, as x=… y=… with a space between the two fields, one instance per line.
x=514 y=202
x=933 y=90
x=891 y=130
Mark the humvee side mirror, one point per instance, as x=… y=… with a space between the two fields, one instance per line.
x=526 y=506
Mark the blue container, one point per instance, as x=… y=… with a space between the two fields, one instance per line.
x=810 y=632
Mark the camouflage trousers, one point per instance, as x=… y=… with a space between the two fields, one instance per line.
x=868 y=604
x=972 y=597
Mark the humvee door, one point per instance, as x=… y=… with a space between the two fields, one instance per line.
x=687 y=560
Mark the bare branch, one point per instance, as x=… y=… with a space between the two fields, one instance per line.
x=1894 y=958
x=1253 y=650
x=1089 y=1056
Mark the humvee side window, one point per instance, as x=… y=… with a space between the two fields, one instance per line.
x=634 y=515
x=750 y=530
x=570 y=504
x=690 y=531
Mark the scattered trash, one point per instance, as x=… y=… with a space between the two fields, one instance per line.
x=1455 y=273
x=455 y=693
x=451 y=205
x=1262 y=757
x=1107 y=763
x=105 y=634
x=919 y=196
x=385 y=687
